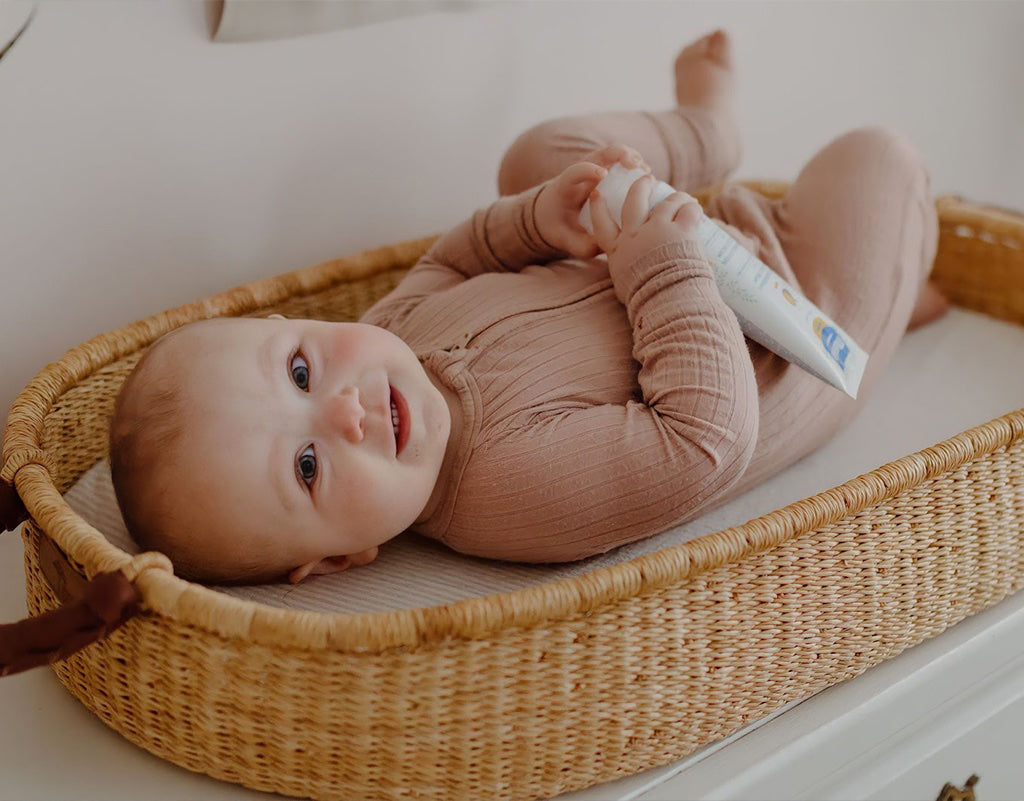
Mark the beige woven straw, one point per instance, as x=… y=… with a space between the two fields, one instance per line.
x=536 y=692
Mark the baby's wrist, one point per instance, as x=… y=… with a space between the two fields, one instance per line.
x=631 y=268
x=544 y=220
x=638 y=252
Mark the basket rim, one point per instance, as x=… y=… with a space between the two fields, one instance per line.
x=166 y=595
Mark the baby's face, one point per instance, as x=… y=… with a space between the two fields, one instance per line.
x=292 y=440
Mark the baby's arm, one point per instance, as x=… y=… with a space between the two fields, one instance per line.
x=573 y=482
x=501 y=237
x=536 y=226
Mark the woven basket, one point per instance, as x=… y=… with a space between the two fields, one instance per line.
x=540 y=691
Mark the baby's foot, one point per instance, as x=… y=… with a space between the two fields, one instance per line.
x=931 y=305
x=704 y=72
x=704 y=81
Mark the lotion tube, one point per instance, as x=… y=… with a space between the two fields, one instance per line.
x=770 y=311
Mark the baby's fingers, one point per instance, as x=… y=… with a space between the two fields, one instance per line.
x=606 y=232
x=689 y=216
x=679 y=207
x=618 y=154
x=637 y=202
x=583 y=172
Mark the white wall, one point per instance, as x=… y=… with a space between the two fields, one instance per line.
x=143 y=165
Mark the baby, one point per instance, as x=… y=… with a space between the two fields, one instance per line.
x=531 y=392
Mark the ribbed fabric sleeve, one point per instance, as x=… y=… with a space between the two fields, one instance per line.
x=578 y=479
x=501 y=237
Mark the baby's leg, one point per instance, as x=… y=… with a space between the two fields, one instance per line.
x=859 y=230
x=691 y=146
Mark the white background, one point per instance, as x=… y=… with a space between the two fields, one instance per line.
x=142 y=166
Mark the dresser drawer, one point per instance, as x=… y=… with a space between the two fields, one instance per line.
x=993 y=750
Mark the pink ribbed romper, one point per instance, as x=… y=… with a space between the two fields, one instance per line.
x=606 y=403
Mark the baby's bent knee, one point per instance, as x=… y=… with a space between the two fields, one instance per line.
x=889 y=147
x=542 y=152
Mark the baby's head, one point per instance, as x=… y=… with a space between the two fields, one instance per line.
x=250 y=449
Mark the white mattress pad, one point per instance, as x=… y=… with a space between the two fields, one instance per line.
x=951 y=375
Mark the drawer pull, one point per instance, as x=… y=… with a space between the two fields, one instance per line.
x=951 y=793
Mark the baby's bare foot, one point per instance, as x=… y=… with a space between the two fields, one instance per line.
x=931 y=305
x=704 y=72
x=704 y=81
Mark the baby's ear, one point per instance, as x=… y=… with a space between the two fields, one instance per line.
x=276 y=317
x=363 y=557
x=332 y=564
x=321 y=567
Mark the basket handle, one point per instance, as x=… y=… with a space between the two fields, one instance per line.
x=103 y=604
x=107 y=601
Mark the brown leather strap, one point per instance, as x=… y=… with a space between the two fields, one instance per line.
x=12 y=510
x=108 y=601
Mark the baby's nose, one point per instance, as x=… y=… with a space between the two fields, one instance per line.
x=345 y=414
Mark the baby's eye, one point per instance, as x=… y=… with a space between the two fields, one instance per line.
x=300 y=372
x=305 y=466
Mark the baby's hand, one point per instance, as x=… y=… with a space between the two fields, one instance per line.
x=562 y=199
x=671 y=220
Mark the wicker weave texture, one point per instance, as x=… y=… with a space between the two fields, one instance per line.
x=533 y=693
x=554 y=707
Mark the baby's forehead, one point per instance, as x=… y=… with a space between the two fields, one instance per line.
x=189 y=350
x=223 y=354
x=229 y=354
x=220 y=327
x=211 y=336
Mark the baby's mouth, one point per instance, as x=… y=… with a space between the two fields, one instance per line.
x=399 y=419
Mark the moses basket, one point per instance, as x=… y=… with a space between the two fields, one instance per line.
x=531 y=693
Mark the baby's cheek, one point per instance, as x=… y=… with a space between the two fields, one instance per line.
x=353 y=490
x=368 y=495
